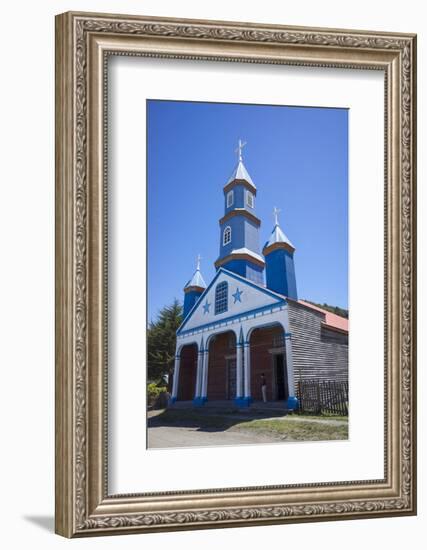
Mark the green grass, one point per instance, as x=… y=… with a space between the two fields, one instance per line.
x=295 y=428
x=323 y=416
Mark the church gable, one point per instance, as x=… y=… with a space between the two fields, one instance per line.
x=228 y=295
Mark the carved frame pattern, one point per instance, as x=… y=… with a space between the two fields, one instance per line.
x=83 y=506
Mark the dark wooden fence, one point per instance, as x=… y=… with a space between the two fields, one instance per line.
x=326 y=396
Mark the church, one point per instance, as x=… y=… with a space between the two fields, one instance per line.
x=246 y=336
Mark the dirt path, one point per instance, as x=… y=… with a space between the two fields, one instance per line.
x=163 y=437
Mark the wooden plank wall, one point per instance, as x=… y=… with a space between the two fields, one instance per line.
x=318 y=354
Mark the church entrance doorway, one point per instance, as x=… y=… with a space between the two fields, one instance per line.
x=187 y=373
x=265 y=344
x=231 y=378
x=281 y=377
x=222 y=367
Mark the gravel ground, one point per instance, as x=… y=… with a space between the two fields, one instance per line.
x=169 y=429
x=162 y=437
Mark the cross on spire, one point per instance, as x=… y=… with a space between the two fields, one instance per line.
x=240 y=148
x=276 y=215
x=198 y=262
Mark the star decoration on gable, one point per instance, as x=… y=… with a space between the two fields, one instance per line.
x=206 y=307
x=237 y=295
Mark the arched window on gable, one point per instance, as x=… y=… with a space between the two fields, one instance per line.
x=226 y=238
x=221 y=297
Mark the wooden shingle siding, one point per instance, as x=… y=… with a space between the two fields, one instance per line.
x=317 y=352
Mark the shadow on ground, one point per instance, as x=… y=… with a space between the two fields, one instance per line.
x=207 y=420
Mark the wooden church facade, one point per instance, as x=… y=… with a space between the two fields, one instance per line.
x=247 y=327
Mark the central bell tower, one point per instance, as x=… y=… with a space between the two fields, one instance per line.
x=239 y=227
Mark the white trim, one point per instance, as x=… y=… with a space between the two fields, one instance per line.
x=247 y=369
x=204 y=392
x=199 y=374
x=176 y=376
x=290 y=367
x=277 y=351
x=250 y=253
x=227 y=231
x=230 y=198
x=247 y=319
x=239 y=371
x=250 y=200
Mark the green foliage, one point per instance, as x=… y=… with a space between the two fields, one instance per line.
x=161 y=342
x=153 y=390
x=333 y=309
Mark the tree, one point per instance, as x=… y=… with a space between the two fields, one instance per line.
x=161 y=343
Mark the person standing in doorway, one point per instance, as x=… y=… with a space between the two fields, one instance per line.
x=264 y=388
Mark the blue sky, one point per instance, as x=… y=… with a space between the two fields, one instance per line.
x=297 y=158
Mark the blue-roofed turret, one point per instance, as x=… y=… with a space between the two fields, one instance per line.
x=193 y=289
x=279 y=262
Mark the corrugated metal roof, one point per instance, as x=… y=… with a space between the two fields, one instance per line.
x=240 y=173
x=277 y=236
x=331 y=319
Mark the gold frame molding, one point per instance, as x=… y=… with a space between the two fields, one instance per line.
x=83 y=43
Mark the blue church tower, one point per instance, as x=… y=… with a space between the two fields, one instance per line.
x=193 y=289
x=279 y=257
x=239 y=227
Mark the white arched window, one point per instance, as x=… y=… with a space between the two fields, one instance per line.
x=226 y=238
x=221 y=297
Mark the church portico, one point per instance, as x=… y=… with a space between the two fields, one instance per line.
x=229 y=363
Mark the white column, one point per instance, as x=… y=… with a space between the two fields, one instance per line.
x=239 y=370
x=176 y=377
x=247 y=361
x=204 y=393
x=199 y=374
x=289 y=365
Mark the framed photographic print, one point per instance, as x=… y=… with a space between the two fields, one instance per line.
x=235 y=274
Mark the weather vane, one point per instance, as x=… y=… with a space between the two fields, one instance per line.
x=240 y=148
x=276 y=215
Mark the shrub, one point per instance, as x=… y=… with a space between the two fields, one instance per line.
x=153 y=392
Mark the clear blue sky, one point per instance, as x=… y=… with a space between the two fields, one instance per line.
x=297 y=158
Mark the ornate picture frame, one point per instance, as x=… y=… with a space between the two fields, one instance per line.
x=84 y=42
